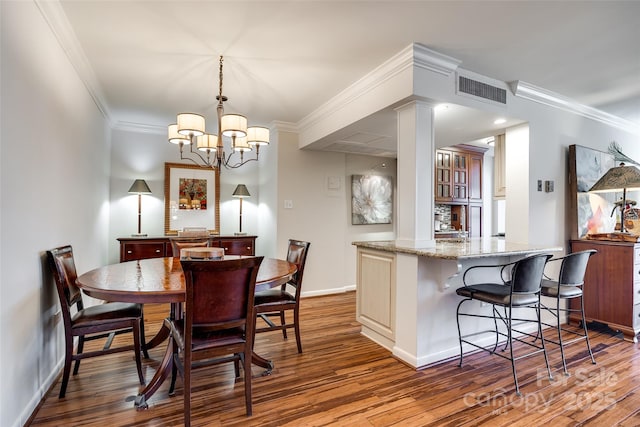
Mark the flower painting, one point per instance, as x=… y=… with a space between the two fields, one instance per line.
x=371 y=199
x=192 y=193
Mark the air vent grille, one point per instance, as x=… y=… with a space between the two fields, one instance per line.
x=482 y=90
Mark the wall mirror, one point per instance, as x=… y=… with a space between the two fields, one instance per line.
x=191 y=198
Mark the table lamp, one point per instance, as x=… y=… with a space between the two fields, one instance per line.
x=618 y=178
x=139 y=187
x=241 y=192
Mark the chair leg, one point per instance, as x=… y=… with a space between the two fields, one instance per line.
x=174 y=368
x=236 y=364
x=510 y=344
x=296 y=325
x=247 y=383
x=79 y=351
x=284 y=330
x=68 y=356
x=143 y=341
x=186 y=380
x=544 y=347
x=136 y=349
x=459 y=332
x=495 y=325
x=559 y=328
x=586 y=334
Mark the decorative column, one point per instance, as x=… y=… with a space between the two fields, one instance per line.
x=415 y=196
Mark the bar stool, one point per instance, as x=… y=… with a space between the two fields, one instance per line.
x=520 y=287
x=568 y=286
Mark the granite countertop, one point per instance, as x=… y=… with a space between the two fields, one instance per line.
x=475 y=247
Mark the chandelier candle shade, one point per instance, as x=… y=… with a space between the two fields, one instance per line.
x=139 y=187
x=241 y=192
x=209 y=151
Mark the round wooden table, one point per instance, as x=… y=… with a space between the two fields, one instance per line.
x=161 y=280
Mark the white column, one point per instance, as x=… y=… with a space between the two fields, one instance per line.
x=415 y=175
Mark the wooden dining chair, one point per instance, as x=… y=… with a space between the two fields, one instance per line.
x=218 y=321
x=95 y=322
x=178 y=243
x=274 y=302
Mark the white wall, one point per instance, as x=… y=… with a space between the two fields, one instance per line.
x=54 y=154
x=143 y=155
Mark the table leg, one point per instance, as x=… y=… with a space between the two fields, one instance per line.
x=161 y=374
x=175 y=312
x=162 y=335
x=166 y=364
x=256 y=359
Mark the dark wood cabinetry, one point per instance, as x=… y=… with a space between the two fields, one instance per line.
x=612 y=285
x=133 y=248
x=458 y=182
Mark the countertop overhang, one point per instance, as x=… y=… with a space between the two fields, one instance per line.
x=474 y=247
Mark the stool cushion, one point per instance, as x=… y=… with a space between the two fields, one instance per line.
x=551 y=288
x=495 y=293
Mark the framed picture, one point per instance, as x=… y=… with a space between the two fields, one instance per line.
x=590 y=212
x=371 y=199
x=191 y=198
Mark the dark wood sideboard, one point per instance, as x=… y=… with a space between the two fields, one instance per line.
x=134 y=248
x=611 y=286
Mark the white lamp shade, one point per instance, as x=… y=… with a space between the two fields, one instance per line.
x=233 y=125
x=175 y=137
x=190 y=124
x=257 y=135
x=207 y=142
x=241 y=144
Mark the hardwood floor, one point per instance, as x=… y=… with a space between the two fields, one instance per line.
x=343 y=379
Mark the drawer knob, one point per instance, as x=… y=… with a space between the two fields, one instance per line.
x=157 y=251
x=129 y=252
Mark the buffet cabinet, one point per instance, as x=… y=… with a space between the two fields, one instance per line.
x=611 y=286
x=134 y=248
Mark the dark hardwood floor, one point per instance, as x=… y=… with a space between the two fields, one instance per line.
x=343 y=379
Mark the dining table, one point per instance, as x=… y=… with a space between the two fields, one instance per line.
x=161 y=280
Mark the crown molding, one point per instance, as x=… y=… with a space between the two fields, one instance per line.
x=140 y=128
x=431 y=60
x=414 y=55
x=537 y=94
x=280 y=126
x=57 y=20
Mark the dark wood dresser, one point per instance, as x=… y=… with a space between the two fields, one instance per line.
x=612 y=286
x=133 y=248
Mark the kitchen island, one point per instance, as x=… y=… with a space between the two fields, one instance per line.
x=406 y=299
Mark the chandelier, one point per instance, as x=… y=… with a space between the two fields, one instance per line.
x=189 y=129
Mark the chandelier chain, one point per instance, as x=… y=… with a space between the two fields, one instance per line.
x=220 y=82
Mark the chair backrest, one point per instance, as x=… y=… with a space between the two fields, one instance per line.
x=526 y=275
x=64 y=272
x=178 y=243
x=573 y=268
x=220 y=294
x=297 y=254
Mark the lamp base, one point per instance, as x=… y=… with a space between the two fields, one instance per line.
x=139 y=235
x=239 y=234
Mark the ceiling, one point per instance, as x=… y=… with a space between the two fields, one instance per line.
x=148 y=60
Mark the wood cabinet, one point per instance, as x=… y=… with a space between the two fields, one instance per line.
x=611 y=286
x=458 y=182
x=133 y=248
x=452 y=176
